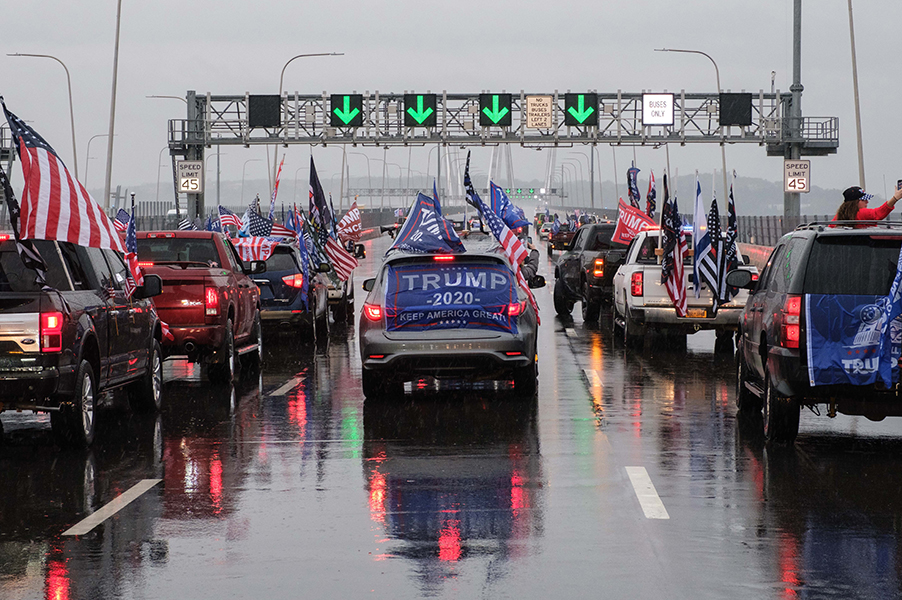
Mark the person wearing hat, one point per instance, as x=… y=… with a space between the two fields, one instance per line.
x=855 y=206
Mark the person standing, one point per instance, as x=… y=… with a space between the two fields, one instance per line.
x=855 y=206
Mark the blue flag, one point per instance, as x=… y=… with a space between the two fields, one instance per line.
x=425 y=230
x=512 y=216
x=632 y=180
x=438 y=207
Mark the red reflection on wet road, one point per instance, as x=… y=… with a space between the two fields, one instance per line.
x=57 y=580
x=449 y=541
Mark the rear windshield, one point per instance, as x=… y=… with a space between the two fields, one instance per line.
x=857 y=264
x=179 y=250
x=647 y=256
x=601 y=240
x=282 y=259
x=14 y=277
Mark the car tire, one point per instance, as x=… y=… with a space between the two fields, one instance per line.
x=340 y=312
x=146 y=394
x=550 y=251
x=254 y=360
x=723 y=342
x=746 y=401
x=321 y=329
x=526 y=381
x=590 y=308
x=75 y=423
x=225 y=372
x=562 y=306
x=780 y=416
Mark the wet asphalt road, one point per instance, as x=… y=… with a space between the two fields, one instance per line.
x=628 y=477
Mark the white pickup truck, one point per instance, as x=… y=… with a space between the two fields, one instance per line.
x=641 y=303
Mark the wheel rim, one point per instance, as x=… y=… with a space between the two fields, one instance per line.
x=157 y=377
x=231 y=358
x=87 y=405
x=767 y=408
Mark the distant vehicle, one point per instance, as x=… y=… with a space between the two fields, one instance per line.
x=544 y=231
x=641 y=303
x=455 y=316
x=209 y=301
x=282 y=304
x=59 y=352
x=560 y=240
x=583 y=273
x=773 y=370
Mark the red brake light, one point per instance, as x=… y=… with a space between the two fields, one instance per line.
x=211 y=301
x=4 y=237
x=51 y=332
x=637 y=283
x=295 y=281
x=373 y=312
x=754 y=277
x=515 y=309
x=790 y=329
x=443 y=257
x=145 y=263
x=161 y=235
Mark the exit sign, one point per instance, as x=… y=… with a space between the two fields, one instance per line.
x=346 y=110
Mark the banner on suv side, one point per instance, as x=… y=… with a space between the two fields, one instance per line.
x=450 y=296
x=843 y=339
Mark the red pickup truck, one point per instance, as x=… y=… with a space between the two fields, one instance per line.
x=209 y=301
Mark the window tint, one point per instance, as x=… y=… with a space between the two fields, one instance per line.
x=852 y=265
x=601 y=240
x=178 y=250
x=234 y=258
x=92 y=258
x=785 y=266
x=80 y=278
x=282 y=259
x=15 y=277
x=117 y=266
x=579 y=242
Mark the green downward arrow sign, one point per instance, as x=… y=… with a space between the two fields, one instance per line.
x=347 y=114
x=583 y=113
x=495 y=114
x=419 y=114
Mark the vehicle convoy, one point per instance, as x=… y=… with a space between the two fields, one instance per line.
x=209 y=301
x=642 y=305
x=560 y=240
x=789 y=355
x=282 y=304
x=447 y=316
x=61 y=350
x=545 y=231
x=583 y=274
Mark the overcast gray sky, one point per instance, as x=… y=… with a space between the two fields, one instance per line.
x=232 y=47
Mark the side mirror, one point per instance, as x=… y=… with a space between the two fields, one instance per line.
x=255 y=267
x=536 y=281
x=746 y=259
x=369 y=284
x=323 y=268
x=739 y=278
x=153 y=286
x=359 y=251
x=614 y=256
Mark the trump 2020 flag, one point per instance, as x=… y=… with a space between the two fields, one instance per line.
x=55 y=206
x=630 y=221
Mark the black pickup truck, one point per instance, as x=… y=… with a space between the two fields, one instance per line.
x=60 y=350
x=584 y=272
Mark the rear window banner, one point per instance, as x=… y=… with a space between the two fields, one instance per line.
x=464 y=296
x=630 y=221
x=425 y=231
x=844 y=335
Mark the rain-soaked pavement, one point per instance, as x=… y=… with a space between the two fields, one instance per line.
x=628 y=477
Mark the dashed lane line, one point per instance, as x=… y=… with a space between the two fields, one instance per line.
x=593 y=379
x=571 y=332
x=118 y=503
x=646 y=493
x=292 y=383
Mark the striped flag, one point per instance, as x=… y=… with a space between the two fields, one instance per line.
x=187 y=225
x=121 y=220
x=227 y=217
x=342 y=261
x=255 y=248
x=55 y=206
x=728 y=259
x=675 y=249
x=29 y=255
x=704 y=259
x=136 y=275
x=259 y=227
x=650 y=204
x=275 y=190
x=349 y=227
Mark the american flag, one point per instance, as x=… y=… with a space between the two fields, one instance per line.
x=257 y=226
x=342 y=261
x=717 y=246
x=255 y=248
x=513 y=248
x=55 y=206
x=136 y=276
x=227 y=217
x=650 y=204
x=121 y=220
x=275 y=190
x=349 y=226
x=29 y=255
x=675 y=248
x=704 y=258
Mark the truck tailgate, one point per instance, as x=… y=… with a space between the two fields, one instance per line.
x=182 y=302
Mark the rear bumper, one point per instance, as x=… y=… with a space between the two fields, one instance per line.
x=666 y=318
x=196 y=341
x=290 y=317
x=28 y=387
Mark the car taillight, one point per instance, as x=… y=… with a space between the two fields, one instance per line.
x=515 y=309
x=4 y=237
x=373 y=312
x=598 y=267
x=161 y=235
x=443 y=257
x=51 y=332
x=754 y=277
x=211 y=301
x=790 y=330
x=145 y=263
x=295 y=281
x=636 y=283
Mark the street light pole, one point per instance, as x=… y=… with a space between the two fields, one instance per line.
x=243 y=171
x=723 y=152
x=88 y=157
x=71 y=111
x=857 y=105
x=275 y=153
x=159 y=158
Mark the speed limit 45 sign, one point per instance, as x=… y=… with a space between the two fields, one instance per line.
x=191 y=176
x=796 y=175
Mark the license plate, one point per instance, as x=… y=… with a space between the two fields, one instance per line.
x=696 y=313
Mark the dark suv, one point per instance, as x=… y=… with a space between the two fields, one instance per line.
x=583 y=273
x=838 y=261
x=60 y=351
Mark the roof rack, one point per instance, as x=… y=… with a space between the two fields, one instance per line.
x=854 y=224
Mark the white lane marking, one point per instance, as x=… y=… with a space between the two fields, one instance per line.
x=646 y=493
x=593 y=378
x=571 y=332
x=292 y=383
x=117 y=504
